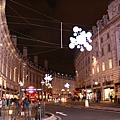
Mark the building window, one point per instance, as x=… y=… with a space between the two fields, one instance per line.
x=98 y=69
x=102 y=51
x=108 y=35
x=108 y=78
x=96 y=44
x=108 y=47
x=104 y=79
x=101 y=40
x=88 y=59
x=97 y=54
x=111 y=77
x=93 y=71
x=110 y=63
x=103 y=66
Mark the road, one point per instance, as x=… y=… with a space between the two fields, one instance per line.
x=68 y=112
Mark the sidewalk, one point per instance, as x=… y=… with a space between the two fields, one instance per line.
x=103 y=105
x=12 y=114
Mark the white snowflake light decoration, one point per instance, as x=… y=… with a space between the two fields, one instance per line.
x=67 y=85
x=81 y=39
x=48 y=77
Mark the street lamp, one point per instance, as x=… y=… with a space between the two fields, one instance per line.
x=1 y=86
x=21 y=84
x=43 y=105
x=20 y=94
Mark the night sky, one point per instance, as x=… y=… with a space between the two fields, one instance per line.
x=37 y=26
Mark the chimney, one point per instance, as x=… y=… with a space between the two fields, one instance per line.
x=14 y=40
x=25 y=51
x=36 y=59
x=46 y=64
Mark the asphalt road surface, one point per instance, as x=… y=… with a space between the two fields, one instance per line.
x=77 y=113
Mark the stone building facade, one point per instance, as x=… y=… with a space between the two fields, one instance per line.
x=62 y=84
x=98 y=71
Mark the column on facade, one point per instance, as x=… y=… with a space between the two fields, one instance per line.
x=19 y=72
x=31 y=78
x=23 y=74
x=12 y=67
x=28 y=77
x=35 y=80
x=117 y=34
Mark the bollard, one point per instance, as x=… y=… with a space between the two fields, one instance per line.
x=86 y=103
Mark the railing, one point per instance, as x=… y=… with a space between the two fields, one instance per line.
x=98 y=85
x=9 y=113
x=89 y=86
x=16 y=113
x=107 y=83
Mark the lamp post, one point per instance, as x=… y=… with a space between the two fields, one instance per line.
x=43 y=105
x=20 y=94
x=21 y=84
x=1 y=84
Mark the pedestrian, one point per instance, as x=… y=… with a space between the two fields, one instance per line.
x=8 y=103
x=18 y=102
x=25 y=103
x=111 y=97
x=4 y=102
x=36 y=105
x=29 y=108
x=0 y=106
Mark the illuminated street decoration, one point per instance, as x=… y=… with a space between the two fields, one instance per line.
x=48 y=78
x=67 y=85
x=80 y=39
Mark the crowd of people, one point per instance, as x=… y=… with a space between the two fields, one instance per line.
x=23 y=104
x=7 y=102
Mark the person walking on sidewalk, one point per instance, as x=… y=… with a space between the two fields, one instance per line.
x=29 y=108
x=0 y=106
x=111 y=97
x=4 y=103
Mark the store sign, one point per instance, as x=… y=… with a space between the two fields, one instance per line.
x=31 y=89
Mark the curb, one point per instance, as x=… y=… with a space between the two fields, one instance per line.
x=52 y=116
x=94 y=107
x=102 y=108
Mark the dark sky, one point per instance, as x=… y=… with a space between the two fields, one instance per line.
x=37 y=25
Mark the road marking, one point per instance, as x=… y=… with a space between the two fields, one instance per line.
x=61 y=113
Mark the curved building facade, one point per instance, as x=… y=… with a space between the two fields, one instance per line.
x=98 y=71
x=15 y=67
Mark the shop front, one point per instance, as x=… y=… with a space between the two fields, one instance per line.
x=108 y=92
x=89 y=94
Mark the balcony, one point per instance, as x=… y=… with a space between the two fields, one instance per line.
x=107 y=83
x=96 y=85
x=88 y=86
